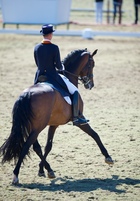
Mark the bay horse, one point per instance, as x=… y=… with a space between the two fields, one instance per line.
x=39 y=106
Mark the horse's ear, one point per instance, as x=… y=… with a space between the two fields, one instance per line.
x=95 y=52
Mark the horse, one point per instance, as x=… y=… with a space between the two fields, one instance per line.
x=41 y=105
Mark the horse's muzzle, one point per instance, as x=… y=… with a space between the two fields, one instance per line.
x=89 y=85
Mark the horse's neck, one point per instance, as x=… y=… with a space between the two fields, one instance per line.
x=73 y=78
x=75 y=67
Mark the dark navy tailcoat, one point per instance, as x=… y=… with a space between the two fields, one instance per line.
x=47 y=59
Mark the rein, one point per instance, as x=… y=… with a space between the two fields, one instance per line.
x=65 y=71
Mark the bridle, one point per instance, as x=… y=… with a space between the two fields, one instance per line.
x=86 y=78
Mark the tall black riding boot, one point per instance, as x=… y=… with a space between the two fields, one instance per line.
x=75 y=109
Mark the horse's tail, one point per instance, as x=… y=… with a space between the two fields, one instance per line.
x=21 y=127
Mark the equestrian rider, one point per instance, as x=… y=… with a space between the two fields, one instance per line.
x=47 y=59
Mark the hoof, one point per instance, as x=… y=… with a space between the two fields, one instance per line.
x=15 y=180
x=41 y=174
x=51 y=175
x=109 y=161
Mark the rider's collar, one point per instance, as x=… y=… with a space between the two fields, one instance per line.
x=46 y=41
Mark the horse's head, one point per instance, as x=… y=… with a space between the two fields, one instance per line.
x=79 y=65
x=86 y=73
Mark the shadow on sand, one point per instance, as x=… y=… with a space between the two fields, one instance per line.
x=83 y=185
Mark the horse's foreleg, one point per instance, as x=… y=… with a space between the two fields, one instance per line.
x=48 y=148
x=86 y=128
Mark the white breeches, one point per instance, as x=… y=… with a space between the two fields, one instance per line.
x=71 y=87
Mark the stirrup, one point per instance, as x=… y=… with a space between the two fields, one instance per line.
x=79 y=121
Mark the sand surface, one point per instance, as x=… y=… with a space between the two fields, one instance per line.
x=113 y=107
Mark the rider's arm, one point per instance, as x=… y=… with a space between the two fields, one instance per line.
x=58 y=62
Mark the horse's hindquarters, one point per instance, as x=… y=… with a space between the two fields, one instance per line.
x=49 y=107
x=42 y=102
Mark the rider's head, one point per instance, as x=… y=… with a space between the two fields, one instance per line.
x=47 y=30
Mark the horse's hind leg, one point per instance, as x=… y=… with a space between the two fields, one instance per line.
x=86 y=128
x=37 y=149
x=48 y=148
x=30 y=140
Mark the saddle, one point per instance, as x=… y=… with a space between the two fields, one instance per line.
x=42 y=78
x=55 y=85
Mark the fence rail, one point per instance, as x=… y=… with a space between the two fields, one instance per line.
x=91 y=10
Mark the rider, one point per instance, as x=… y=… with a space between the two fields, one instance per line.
x=47 y=59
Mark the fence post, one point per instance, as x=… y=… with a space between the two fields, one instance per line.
x=108 y=12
